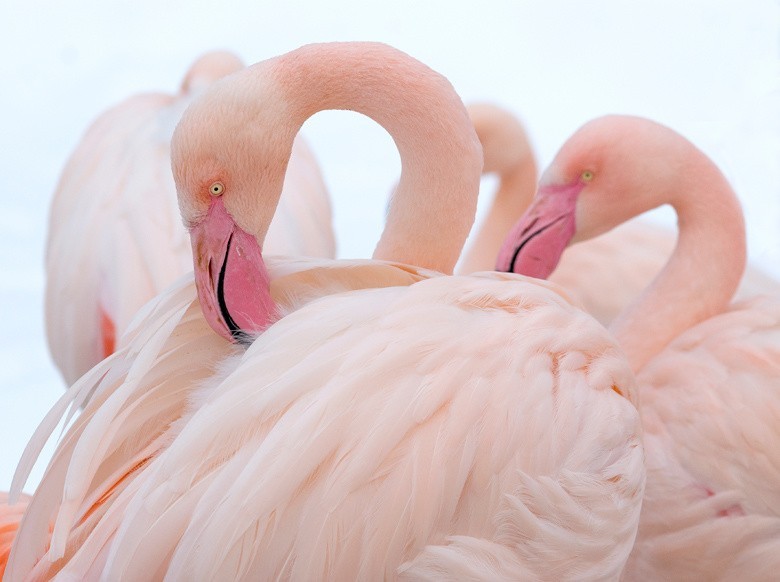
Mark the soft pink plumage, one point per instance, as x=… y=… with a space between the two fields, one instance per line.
x=10 y=515
x=711 y=418
x=363 y=428
x=707 y=371
x=115 y=234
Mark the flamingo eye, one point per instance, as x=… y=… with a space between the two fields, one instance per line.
x=587 y=176
x=216 y=189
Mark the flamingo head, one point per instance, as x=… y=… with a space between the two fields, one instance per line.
x=227 y=199
x=612 y=169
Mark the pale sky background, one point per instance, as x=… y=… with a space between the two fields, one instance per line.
x=709 y=69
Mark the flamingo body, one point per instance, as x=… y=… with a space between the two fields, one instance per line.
x=711 y=412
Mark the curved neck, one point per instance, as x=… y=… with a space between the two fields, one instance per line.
x=434 y=204
x=703 y=272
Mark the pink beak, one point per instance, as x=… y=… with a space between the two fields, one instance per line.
x=535 y=244
x=232 y=281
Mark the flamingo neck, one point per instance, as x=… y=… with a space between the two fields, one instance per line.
x=433 y=207
x=515 y=192
x=703 y=272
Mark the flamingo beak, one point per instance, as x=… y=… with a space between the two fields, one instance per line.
x=536 y=242
x=230 y=275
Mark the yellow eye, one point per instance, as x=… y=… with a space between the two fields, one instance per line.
x=587 y=176
x=216 y=189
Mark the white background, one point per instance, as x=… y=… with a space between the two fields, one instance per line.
x=708 y=68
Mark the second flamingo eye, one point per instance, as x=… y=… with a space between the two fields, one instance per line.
x=217 y=188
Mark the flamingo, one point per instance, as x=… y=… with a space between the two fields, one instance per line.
x=623 y=260
x=362 y=433
x=96 y=283
x=707 y=370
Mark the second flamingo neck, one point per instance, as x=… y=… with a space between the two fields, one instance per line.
x=700 y=278
x=513 y=197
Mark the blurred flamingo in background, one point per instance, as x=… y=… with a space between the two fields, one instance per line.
x=506 y=151
x=115 y=235
x=361 y=429
x=622 y=261
x=707 y=370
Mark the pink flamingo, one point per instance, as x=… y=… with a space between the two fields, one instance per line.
x=624 y=260
x=364 y=434
x=96 y=283
x=707 y=370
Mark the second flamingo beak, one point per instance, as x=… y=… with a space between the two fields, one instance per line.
x=536 y=242
x=232 y=281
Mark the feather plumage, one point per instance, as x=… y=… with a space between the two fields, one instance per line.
x=386 y=433
x=10 y=515
x=711 y=413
